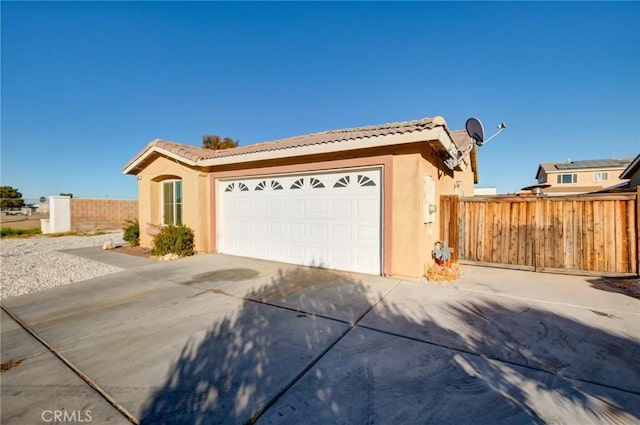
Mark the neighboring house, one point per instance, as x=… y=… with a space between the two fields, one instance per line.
x=485 y=191
x=575 y=177
x=361 y=199
x=632 y=172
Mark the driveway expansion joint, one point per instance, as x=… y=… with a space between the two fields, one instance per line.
x=315 y=361
x=497 y=359
x=541 y=301
x=101 y=392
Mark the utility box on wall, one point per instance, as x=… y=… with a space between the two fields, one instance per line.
x=430 y=207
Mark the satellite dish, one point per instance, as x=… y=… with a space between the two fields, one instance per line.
x=536 y=189
x=475 y=130
x=537 y=186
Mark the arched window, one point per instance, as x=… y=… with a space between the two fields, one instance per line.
x=171 y=201
x=315 y=183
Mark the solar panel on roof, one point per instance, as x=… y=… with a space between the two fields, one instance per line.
x=564 y=166
x=592 y=163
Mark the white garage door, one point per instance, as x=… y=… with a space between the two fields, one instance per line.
x=329 y=220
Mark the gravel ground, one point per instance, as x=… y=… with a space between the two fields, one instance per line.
x=33 y=264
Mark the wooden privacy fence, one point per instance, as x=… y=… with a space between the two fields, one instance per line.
x=596 y=233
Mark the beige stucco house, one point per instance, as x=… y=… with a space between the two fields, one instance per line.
x=632 y=173
x=576 y=177
x=361 y=199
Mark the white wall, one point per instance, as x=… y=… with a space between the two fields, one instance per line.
x=59 y=215
x=481 y=191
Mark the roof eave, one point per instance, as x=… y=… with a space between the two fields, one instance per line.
x=131 y=167
x=631 y=168
x=474 y=164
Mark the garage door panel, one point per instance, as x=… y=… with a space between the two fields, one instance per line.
x=368 y=233
x=298 y=252
x=277 y=206
x=297 y=230
x=368 y=206
x=367 y=260
x=319 y=230
x=341 y=231
x=278 y=249
x=260 y=206
x=318 y=256
x=244 y=206
x=260 y=227
x=230 y=206
x=243 y=229
x=277 y=229
x=260 y=248
x=341 y=207
x=317 y=206
x=244 y=245
x=342 y=257
x=326 y=219
x=296 y=207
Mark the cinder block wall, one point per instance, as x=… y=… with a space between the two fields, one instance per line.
x=101 y=214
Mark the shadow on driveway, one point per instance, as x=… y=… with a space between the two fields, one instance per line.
x=265 y=365
x=621 y=285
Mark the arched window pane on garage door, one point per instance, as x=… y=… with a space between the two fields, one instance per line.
x=172 y=202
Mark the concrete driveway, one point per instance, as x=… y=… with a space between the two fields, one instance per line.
x=219 y=339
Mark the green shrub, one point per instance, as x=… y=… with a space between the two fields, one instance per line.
x=132 y=232
x=173 y=240
x=7 y=232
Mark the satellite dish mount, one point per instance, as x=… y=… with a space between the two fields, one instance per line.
x=476 y=131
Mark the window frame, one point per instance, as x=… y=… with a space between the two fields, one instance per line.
x=574 y=178
x=603 y=176
x=176 y=220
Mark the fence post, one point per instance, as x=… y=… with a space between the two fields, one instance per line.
x=538 y=234
x=453 y=228
x=637 y=241
x=449 y=222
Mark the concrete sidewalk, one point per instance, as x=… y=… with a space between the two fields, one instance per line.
x=221 y=339
x=110 y=257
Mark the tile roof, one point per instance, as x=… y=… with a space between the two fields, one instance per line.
x=461 y=139
x=196 y=154
x=465 y=144
x=330 y=136
x=191 y=153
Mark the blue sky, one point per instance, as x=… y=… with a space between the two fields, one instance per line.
x=86 y=85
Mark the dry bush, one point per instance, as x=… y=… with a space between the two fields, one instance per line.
x=442 y=275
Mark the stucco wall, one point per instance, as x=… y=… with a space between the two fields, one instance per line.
x=195 y=194
x=407 y=239
x=59 y=215
x=585 y=178
x=101 y=214
x=407 y=243
x=413 y=238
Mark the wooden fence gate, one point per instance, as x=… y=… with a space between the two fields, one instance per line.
x=594 y=234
